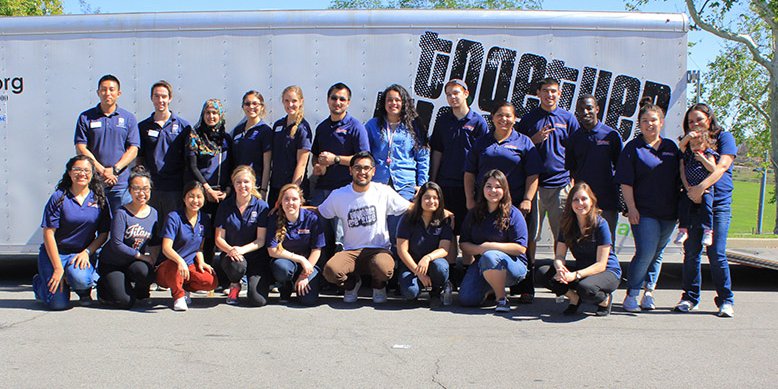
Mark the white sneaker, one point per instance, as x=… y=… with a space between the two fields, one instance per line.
x=351 y=295
x=726 y=310
x=180 y=304
x=681 y=237
x=379 y=295
x=647 y=303
x=684 y=306
x=188 y=298
x=707 y=238
x=630 y=304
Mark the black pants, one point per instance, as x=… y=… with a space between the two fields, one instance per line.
x=592 y=289
x=257 y=270
x=115 y=285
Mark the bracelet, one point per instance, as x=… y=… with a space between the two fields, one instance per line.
x=88 y=251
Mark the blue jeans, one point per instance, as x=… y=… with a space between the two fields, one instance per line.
x=116 y=198
x=410 y=287
x=651 y=237
x=285 y=271
x=80 y=280
x=717 y=257
x=693 y=214
x=474 y=287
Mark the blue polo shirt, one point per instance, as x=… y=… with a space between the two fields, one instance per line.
x=487 y=230
x=516 y=157
x=302 y=235
x=722 y=189
x=241 y=229
x=454 y=138
x=76 y=224
x=403 y=164
x=108 y=137
x=653 y=175
x=422 y=239
x=591 y=157
x=585 y=251
x=552 y=150
x=285 y=150
x=130 y=235
x=162 y=149
x=215 y=169
x=186 y=238
x=249 y=146
x=344 y=137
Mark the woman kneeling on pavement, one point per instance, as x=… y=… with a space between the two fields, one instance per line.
x=184 y=270
x=596 y=272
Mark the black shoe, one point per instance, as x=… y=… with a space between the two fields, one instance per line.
x=526 y=298
x=606 y=310
x=571 y=309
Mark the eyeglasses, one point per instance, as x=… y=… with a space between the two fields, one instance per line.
x=252 y=104
x=361 y=168
x=139 y=189
x=81 y=170
x=338 y=98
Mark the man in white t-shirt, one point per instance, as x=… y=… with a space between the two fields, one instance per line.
x=362 y=206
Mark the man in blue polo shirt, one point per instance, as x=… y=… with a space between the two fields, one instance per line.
x=591 y=156
x=162 y=138
x=453 y=137
x=109 y=135
x=549 y=127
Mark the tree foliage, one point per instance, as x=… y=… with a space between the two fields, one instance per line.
x=30 y=7
x=432 y=4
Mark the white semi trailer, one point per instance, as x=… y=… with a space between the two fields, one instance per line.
x=49 y=67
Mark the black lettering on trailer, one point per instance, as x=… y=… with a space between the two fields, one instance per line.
x=425 y=109
x=600 y=92
x=623 y=104
x=468 y=58
x=531 y=69
x=659 y=92
x=433 y=65
x=496 y=77
x=567 y=77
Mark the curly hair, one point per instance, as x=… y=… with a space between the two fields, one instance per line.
x=95 y=183
x=408 y=115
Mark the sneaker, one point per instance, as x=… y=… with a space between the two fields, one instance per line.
x=630 y=304
x=85 y=298
x=571 y=309
x=707 y=238
x=726 y=310
x=435 y=301
x=647 y=303
x=503 y=305
x=379 y=295
x=526 y=298
x=188 y=298
x=351 y=295
x=606 y=310
x=681 y=237
x=684 y=306
x=232 y=297
x=180 y=304
x=448 y=294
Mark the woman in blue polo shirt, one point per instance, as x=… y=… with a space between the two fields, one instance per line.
x=291 y=144
x=295 y=239
x=131 y=253
x=241 y=227
x=75 y=224
x=650 y=181
x=183 y=268
x=423 y=239
x=253 y=139
x=702 y=116
x=495 y=233
x=596 y=272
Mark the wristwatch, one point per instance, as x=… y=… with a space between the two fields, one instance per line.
x=115 y=170
x=577 y=276
x=337 y=159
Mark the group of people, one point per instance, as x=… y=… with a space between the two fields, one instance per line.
x=385 y=201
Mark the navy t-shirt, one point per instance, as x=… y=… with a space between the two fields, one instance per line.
x=285 y=148
x=422 y=239
x=516 y=157
x=108 y=137
x=186 y=238
x=130 y=235
x=454 y=138
x=249 y=146
x=722 y=189
x=552 y=150
x=302 y=235
x=488 y=231
x=344 y=137
x=76 y=224
x=591 y=157
x=585 y=251
x=241 y=229
x=162 y=149
x=653 y=175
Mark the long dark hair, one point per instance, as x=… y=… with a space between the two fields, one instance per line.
x=714 y=129
x=408 y=115
x=481 y=209
x=569 y=226
x=414 y=215
x=95 y=183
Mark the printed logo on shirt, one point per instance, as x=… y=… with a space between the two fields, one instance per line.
x=668 y=154
x=279 y=128
x=303 y=231
x=200 y=230
x=362 y=217
x=174 y=129
x=120 y=123
x=341 y=130
x=561 y=125
x=253 y=217
x=603 y=142
x=138 y=234
x=92 y=204
x=511 y=147
x=468 y=127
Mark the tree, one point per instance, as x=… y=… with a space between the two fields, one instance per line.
x=30 y=7
x=429 y=4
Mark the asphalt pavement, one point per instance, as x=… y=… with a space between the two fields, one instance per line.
x=398 y=344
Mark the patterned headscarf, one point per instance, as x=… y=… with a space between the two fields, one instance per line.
x=205 y=140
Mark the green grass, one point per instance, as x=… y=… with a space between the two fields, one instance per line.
x=745 y=208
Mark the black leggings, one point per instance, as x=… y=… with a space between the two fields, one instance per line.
x=259 y=275
x=115 y=285
x=592 y=289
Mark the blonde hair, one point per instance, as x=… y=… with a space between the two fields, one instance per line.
x=250 y=171
x=298 y=117
x=281 y=220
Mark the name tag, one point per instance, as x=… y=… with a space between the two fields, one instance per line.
x=153 y=133
x=97 y=124
x=174 y=130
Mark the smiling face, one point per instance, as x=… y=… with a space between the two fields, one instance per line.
x=586 y=111
x=194 y=199
x=292 y=102
x=549 y=96
x=582 y=203
x=109 y=93
x=697 y=121
x=140 y=190
x=393 y=105
x=338 y=102
x=651 y=124
x=290 y=203
x=430 y=200
x=243 y=183
x=253 y=106
x=211 y=116
x=81 y=173
x=504 y=118
x=493 y=192
x=362 y=172
x=160 y=98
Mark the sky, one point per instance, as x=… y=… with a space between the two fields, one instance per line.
x=705 y=50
